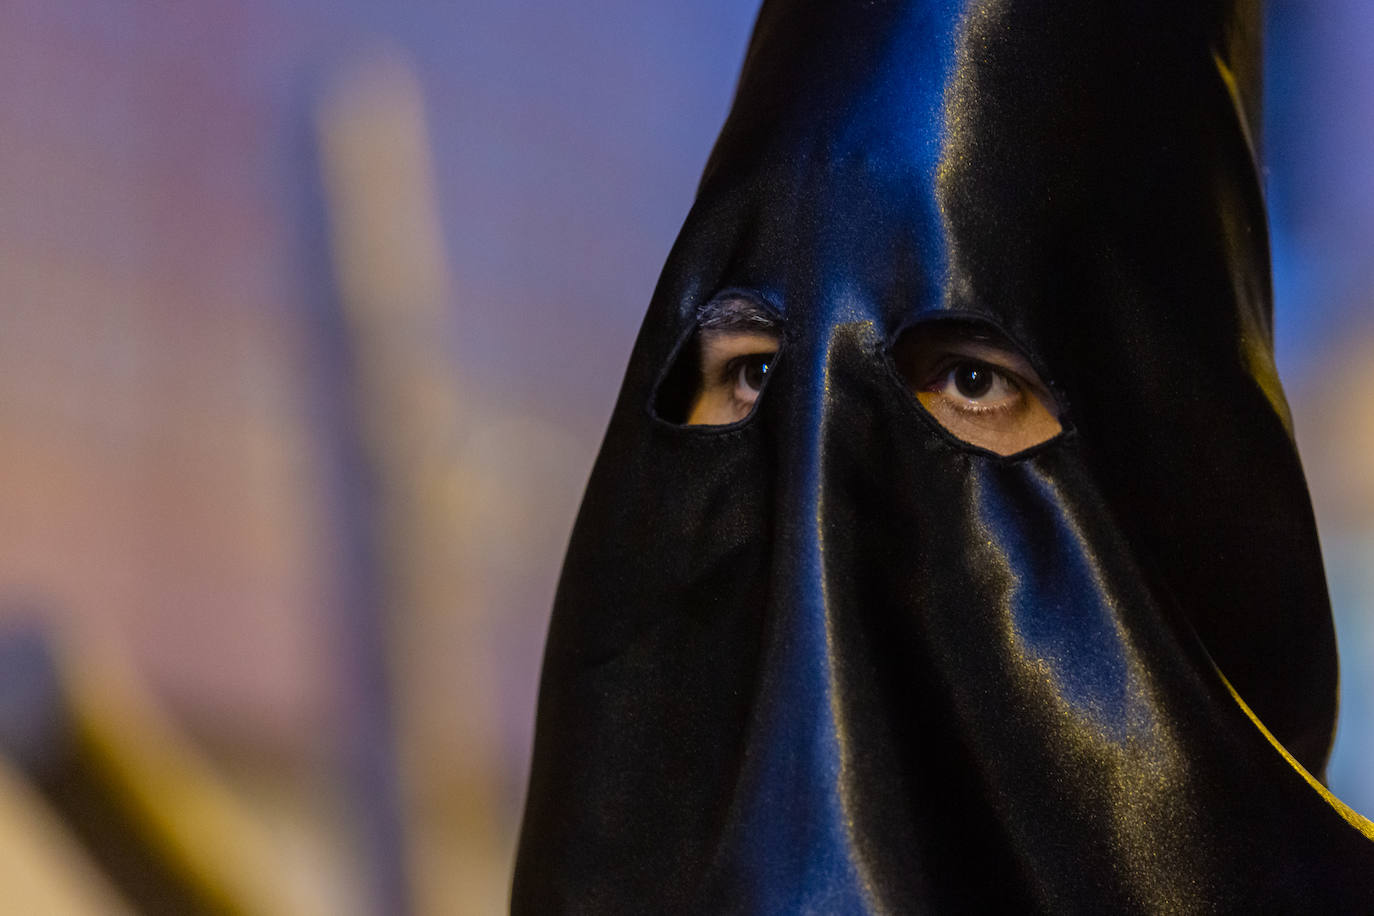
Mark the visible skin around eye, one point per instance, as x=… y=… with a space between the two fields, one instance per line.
x=733 y=367
x=970 y=380
x=977 y=387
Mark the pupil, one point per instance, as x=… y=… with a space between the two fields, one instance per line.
x=754 y=371
x=972 y=380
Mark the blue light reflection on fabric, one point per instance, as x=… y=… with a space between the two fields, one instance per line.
x=793 y=836
x=1058 y=610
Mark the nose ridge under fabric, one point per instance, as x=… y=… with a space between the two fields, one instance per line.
x=789 y=841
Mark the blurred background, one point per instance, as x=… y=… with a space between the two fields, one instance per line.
x=311 y=318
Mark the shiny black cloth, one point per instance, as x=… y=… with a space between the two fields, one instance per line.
x=832 y=660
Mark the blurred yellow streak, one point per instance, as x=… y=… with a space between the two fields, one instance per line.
x=174 y=800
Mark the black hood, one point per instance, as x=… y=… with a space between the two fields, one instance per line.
x=832 y=659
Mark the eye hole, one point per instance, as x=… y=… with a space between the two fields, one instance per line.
x=976 y=385
x=723 y=368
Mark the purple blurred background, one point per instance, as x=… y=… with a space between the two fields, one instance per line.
x=219 y=451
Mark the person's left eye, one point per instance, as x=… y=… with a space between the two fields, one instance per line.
x=978 y=387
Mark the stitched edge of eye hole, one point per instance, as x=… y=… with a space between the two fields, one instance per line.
x=977 y=326
x=675 y=384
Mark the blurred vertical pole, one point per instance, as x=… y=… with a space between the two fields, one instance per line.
x=394 y=287
x=366 y=687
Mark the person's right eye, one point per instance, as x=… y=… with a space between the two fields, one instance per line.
x=734 y=366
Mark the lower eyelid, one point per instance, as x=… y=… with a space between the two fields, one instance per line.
x=1005 y=406
x=741 y=409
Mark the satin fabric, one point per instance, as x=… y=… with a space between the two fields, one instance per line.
x=830 y=659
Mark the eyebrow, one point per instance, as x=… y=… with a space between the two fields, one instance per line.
x=735 y=313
